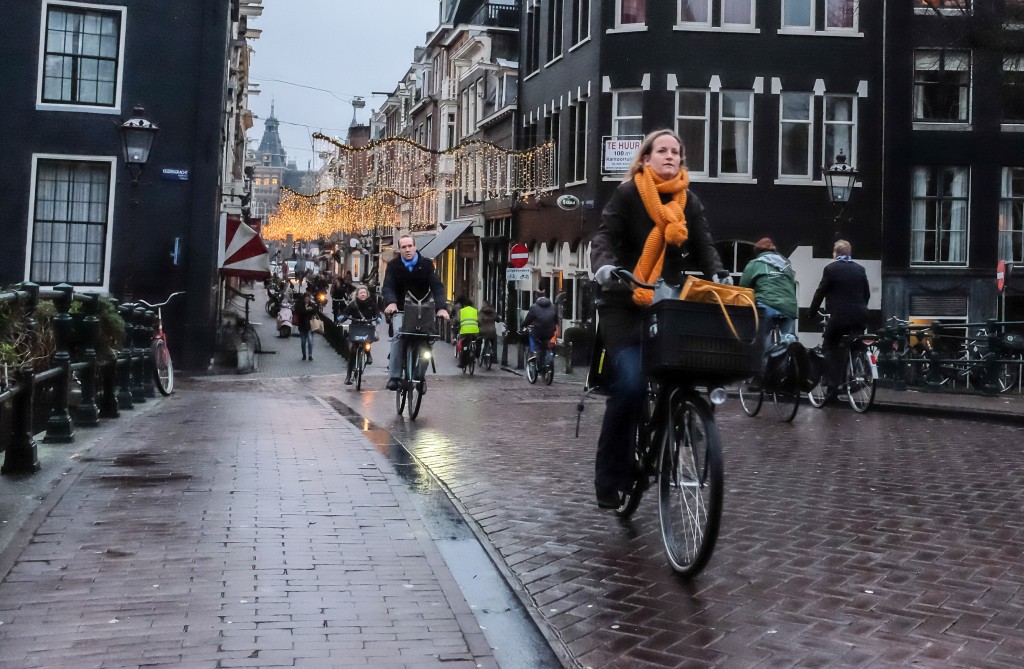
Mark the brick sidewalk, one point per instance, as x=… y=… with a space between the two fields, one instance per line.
x=270 y=534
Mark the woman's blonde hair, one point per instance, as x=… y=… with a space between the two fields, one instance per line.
x=648 y=145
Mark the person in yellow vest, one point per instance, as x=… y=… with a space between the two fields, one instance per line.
x=469 y=329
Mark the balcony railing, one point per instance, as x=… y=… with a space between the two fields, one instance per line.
x=498 y=16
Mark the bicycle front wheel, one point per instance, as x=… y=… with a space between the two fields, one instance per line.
x=786 y=404
x=690 y=485
x=818 y=395
x=415 y=388
x=751 y=397
x=360 y=365
x=531 y=371
x=163 y=368
x=549 y=373
x=860 y=383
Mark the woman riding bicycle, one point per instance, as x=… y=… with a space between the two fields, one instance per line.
x=362 y=308
x=655 y=227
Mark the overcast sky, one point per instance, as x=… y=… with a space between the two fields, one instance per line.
x=346 y=47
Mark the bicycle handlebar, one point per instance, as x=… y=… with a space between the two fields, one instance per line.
x=626 y=276
x=164 y=303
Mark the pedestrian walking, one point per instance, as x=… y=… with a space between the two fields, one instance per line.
x=306 y=312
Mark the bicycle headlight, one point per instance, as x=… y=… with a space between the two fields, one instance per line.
x=426 y=355
x=718 y=396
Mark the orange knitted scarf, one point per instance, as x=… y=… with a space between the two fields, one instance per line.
x=669 y=225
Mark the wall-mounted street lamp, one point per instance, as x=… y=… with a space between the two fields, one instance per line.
x=840 y=179
x=137 y=134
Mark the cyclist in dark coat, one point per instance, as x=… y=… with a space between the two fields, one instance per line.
x=626 y=223
x=362 y=308
x=408 y=273
x=543 y=317
x=845 y=291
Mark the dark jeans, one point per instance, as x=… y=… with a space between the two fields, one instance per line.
x=614 y=465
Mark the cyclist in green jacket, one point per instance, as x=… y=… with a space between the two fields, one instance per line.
x=469 y=328
x=770 y=275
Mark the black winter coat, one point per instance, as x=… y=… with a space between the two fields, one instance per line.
x=844 y=288
x=421 y=281
x=619 y=241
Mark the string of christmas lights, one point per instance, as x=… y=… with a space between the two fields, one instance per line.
x=397 y=184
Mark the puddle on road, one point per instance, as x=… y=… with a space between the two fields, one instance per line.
x=512 y=634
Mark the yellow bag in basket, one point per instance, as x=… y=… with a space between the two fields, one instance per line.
x=699 y=290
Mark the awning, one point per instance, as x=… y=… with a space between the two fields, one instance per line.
x=245 y=254
x=444 y=239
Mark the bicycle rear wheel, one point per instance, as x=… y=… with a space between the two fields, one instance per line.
x=641 y=462
x=163 y=368
x=751 y=398
x=786 y=404
x=690 y=485
x=488 y=355
x=860 y=384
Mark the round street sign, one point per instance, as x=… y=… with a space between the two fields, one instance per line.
x=518 y=255
x=1001 y=275
x=568 y=202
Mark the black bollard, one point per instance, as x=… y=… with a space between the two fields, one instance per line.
x=22 y=456
x=124 y=362
x=138 y=371
x=88 y=414
x=58 y=425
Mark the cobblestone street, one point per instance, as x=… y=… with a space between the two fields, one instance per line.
x=257 y=520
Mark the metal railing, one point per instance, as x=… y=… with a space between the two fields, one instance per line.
x=109 y=383
x=496 y=15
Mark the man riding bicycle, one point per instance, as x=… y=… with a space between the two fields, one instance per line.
x=541 y=321
x=469 y=329
x=408 y=273
x=845 y=291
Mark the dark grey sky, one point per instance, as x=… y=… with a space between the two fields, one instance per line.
x=347 y=47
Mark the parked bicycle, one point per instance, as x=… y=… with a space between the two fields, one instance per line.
x=163 y=367
x=785 y=396
x=239 y=336
x=419 y=326
x=540 y=364
x=860 y=375
x=677 y=442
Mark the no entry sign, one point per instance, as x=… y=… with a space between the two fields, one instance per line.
x=518 y=255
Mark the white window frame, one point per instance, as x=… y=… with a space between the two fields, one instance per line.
x=581 y=22
x=808 y=125
x=555 y=31
x=1011 y=216
x=114 y=108
x=969 y=104
x=682 y=23
x=104 y=285
x=812 y=6
x=616 y=118
x=701 y=170
x=619 y=25
x=934 y=227
x=750 y=25
x=843 y=29
x=580 y=116
x=851 y=151
x=950 y=10
x=750 y=134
